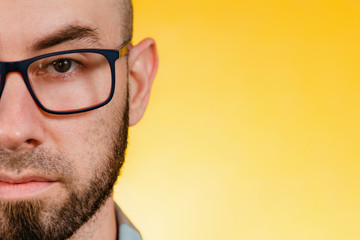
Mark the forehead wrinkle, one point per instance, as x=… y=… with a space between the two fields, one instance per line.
x=69 y=33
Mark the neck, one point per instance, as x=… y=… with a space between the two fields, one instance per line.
x=101 y=226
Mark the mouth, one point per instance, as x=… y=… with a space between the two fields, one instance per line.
x=25 y=187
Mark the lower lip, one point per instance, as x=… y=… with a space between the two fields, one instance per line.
x=20 y=191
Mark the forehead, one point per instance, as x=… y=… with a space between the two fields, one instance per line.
x=24 y=21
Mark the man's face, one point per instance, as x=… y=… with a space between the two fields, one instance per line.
x=56 y=171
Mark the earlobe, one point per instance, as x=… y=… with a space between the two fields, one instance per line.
x=143 y=64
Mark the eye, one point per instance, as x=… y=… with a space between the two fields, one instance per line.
x=62 y=65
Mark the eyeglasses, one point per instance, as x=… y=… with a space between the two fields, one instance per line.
x=68 y=82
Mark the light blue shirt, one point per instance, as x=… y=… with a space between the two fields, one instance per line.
x=126 y=230
x=128 y=233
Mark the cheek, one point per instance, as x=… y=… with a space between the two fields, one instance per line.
x=84 y=141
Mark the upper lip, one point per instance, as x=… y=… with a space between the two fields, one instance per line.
x=24 y=179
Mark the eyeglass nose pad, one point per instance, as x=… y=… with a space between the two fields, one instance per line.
x=2 y=78
x=5 y=69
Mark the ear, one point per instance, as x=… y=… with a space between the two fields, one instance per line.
x=143 y=64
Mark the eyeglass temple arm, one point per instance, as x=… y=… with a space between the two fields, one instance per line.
x=124 y=50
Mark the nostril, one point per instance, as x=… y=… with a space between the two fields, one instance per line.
x=32 y=142
x=27 y=145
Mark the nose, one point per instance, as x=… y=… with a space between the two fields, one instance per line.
x=20 y=118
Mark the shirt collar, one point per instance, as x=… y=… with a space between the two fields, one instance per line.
x=126 y=230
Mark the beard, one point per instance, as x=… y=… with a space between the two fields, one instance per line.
x=37 y=218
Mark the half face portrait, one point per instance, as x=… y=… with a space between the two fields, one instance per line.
x=71 y=85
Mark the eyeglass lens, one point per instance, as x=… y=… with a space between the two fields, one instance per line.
x=71 y=81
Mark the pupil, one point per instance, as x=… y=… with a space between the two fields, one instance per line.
x=62 y=65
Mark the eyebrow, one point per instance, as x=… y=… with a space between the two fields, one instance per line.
x=69 y=33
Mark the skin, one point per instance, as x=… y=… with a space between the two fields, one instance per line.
x=82 y=138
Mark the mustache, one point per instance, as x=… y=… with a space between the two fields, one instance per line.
x=42 y=161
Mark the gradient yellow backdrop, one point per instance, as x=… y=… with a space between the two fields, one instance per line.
x=252 y=130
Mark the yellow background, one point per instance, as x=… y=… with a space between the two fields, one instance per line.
x=252 y=130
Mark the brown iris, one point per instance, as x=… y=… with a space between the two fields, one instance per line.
x=62 y=65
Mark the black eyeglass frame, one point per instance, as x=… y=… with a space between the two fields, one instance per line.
x=22 y=67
